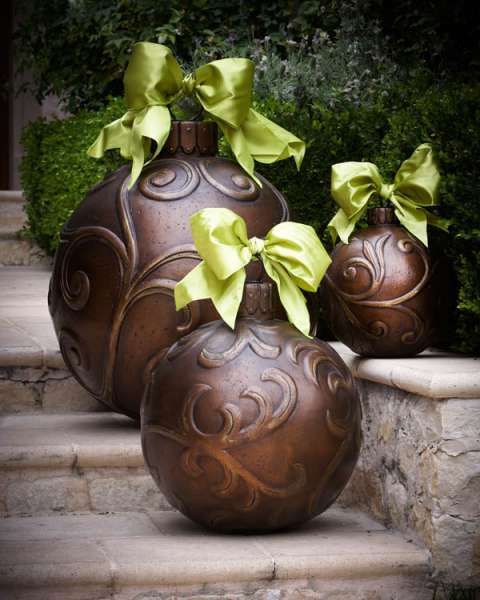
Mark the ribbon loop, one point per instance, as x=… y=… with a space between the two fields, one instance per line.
x=415 y=186
x=291 y=253
x=223 y=88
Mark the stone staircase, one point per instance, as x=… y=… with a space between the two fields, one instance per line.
x=84 y=521
x=14 y=248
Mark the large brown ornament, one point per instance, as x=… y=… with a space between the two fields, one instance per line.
x=252 y=429
x=122 y=252
x=382 y=293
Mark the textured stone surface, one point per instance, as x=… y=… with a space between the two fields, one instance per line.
x=64 y=463
x=12 y=213
x=33 y=390
x=419 y=471
x=13 y=249
x=163 y=555
x=27 y=338
x=433 y=373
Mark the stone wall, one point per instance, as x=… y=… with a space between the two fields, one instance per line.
x=31 y=390
x=419 y=472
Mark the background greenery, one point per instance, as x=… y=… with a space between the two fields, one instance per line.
x=356 y=80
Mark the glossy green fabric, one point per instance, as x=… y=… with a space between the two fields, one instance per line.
x=415 y=186
x=291 y=253
x=153 y=80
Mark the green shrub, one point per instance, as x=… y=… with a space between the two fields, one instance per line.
x=386 y=133
x=56 y=172
x=78 y=49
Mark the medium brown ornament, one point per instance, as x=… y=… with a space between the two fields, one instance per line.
x=122 y=252
x=382 y=293
x=252 y=429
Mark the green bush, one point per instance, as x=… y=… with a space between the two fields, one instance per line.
x=448 y=116
x=78 y=49
x=56 y=172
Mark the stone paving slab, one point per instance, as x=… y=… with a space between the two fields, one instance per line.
x=27 y=337
x=164 y=551
x=12 y=215
x=433 y=373
x=14 y=248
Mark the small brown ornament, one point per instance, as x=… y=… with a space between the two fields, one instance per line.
x=254 y=429
x=122 y=252
x=382 y=293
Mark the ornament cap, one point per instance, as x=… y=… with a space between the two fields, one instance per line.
x=381 y=216
x=197 y=138
x=260 y=300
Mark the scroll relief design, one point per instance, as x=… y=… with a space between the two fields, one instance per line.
x=245 y=337
x=240 y=187
x=76 y=286
x=199 y=444
x=373 y=261
x=344 y=427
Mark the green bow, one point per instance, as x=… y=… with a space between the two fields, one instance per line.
x=291 y=253
x=153 y=80
x=415 y=186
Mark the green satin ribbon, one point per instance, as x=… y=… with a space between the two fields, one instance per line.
x=292 y=255
x=153 y=80
x=415 y=186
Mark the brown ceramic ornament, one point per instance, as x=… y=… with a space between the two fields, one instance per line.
x=254 y=429
x=122 y=252
x=382 y=294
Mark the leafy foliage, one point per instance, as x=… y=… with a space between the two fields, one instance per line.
x=358 y=80
x=56 y=172
x=448 y=116
x=78 y=49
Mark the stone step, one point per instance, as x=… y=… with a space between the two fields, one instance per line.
x=12 y=213
x=14 y=248
x=418 y=468
x=33 y=376
x=66 y=463
x=139 y=556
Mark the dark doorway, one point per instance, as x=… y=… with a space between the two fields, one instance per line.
x=5 y=91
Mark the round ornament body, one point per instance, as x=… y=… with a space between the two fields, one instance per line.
x=382 y=293
x=122 y=252
x=254 y=429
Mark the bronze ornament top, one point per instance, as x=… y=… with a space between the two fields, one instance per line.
x=197 y=138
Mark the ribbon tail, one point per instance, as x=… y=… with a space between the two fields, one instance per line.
x=259 y=139
x=152 y=123
x=291 y=297
x=202 y=283
x=268 y=142
x=413 y=218
x=343 y=226
x=437 y=221
x=115 y=135
x=237 y=142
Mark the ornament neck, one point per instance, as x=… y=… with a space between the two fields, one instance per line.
x=381 y=216
x=194 y=138
x=260 y=300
